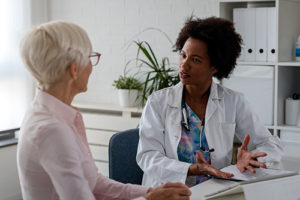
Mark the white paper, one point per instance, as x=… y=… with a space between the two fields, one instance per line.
x=261 y=173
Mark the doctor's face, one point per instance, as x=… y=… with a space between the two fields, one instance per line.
x=194 y=63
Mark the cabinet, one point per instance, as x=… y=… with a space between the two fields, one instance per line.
x=286 y=71
x=101 y=122
x=9 y=179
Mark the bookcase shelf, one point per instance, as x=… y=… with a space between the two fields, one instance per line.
x=256 y=63
x=289 y=64
x=286 y=70
x=289 y=128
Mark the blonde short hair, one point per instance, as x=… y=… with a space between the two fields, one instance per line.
x=49 y=49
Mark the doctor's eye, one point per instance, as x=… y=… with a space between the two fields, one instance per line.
x=182 y=54
x=197 y=60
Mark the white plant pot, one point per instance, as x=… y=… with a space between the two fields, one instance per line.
x=128 y=98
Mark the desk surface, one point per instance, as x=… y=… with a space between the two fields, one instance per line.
x=214 y=185
x=208 y=187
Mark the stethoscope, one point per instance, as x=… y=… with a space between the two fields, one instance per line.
x=185 y=124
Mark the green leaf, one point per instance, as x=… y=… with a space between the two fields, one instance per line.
x=130 y=83
x=159 y=74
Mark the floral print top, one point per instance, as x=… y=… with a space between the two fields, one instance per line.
x=190 y=143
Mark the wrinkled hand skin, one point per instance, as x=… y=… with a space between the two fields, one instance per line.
x=247 y=160
x=169 y=191
x=204 y=168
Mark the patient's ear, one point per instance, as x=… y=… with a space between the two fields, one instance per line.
x=73 y=70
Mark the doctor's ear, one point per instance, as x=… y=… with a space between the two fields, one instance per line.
x=214 y=70
x=73 y=70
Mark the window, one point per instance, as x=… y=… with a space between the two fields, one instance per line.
x=16 y=85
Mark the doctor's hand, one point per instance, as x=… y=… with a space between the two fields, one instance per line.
x=247 y=160
x=169 y=191
x=203 y=168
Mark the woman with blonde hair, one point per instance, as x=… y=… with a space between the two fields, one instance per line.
x=53 y=156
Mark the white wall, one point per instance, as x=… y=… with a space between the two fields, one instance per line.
x=112 y=24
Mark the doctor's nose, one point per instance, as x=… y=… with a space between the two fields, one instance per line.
x=184 y=64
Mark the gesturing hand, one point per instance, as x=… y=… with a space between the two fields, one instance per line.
x=247 y=160
x=203 y=168
x=169 y=191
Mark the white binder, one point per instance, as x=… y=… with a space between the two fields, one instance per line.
x=249 y=38
x=271 y=32
x=239 y=24
x=261 y=34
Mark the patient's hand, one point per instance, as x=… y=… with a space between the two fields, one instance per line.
x=247 y=160
x=169 y=191
x=203 y=168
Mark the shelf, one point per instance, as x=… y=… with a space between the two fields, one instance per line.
x=10 y=141
x=269 y=126
x=288 y=128
x=256 y=63
x=103 y=107
x=5 y=143
x=290 y=64
x=239 y=1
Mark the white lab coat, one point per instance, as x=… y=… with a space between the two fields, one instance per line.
x=227 y=113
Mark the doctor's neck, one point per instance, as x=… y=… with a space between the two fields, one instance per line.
x=197 y=92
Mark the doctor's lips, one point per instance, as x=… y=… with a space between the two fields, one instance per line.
x=184 y=75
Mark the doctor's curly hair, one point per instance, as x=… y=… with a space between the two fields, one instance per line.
x=223 y=43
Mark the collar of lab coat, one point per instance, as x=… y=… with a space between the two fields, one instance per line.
x=216 y=93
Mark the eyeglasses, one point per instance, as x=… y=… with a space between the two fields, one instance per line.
x=94 y=58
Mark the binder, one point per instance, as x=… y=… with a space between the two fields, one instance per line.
x=238 y=20
x=261 y=34
x=249 y=38
x=271 y=32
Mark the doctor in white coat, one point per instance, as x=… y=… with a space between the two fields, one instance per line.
x=187 y=131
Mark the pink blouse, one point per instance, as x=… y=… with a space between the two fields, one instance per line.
x=54 y=159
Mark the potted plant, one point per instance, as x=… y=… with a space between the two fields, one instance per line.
x=128 y=89
x=158 y=74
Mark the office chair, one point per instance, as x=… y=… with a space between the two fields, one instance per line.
x=122 y=157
